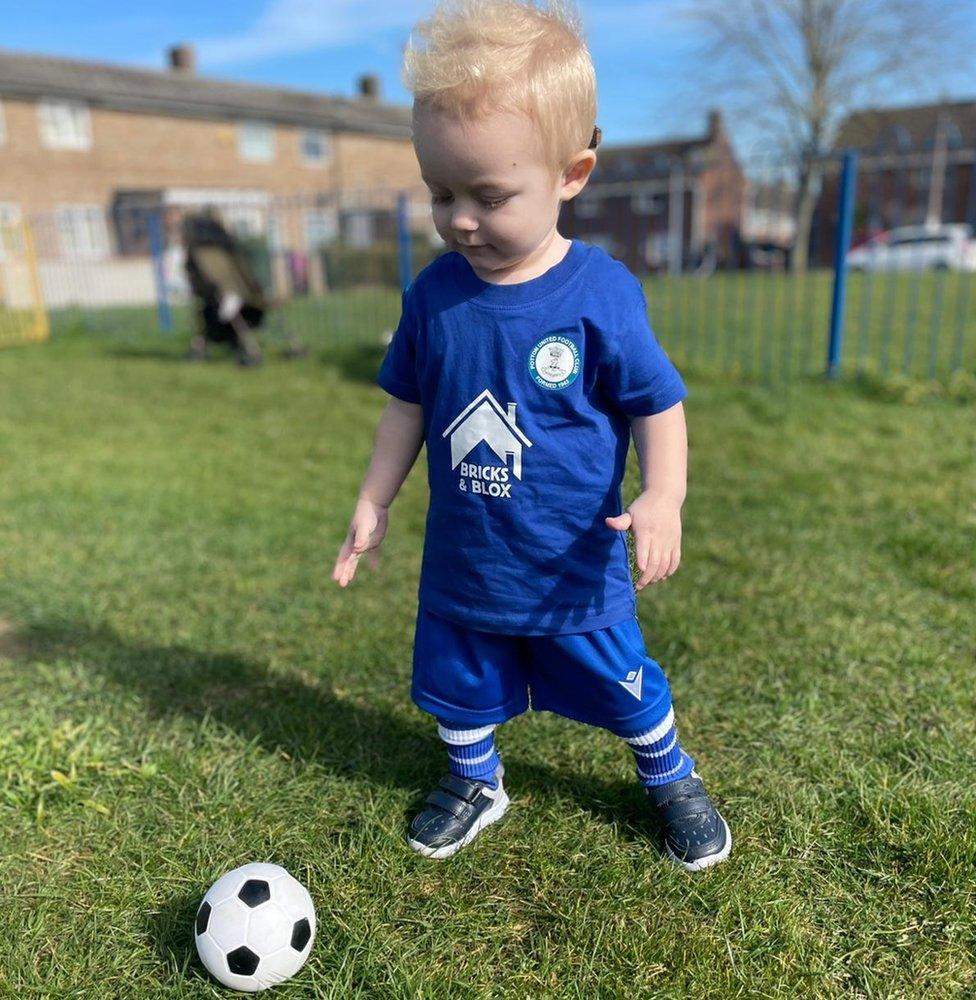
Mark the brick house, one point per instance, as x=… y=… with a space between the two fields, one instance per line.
x=916 y=164
x=655 y=205
x=83 y=143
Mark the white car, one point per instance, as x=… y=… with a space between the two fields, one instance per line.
x=917 y=248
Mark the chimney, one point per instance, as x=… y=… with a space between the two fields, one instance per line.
x=182 y=59
x=369 y=87
x=715 y=126
x=511 y=413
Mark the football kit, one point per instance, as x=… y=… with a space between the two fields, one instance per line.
x=527 y=390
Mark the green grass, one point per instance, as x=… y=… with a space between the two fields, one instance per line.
x=183 y=689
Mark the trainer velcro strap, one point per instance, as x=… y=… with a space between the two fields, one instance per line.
x=449 y=803
x=681 y=808
x=461 y=787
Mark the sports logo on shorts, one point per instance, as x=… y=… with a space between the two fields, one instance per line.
x=554 y=362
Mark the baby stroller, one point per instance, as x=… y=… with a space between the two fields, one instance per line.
x=231 y=302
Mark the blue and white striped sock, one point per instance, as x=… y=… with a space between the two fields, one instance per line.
x=470 y=752
x=658 y=756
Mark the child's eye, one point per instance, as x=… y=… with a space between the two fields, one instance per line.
x=440 y=199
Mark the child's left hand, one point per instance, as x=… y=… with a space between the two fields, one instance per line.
x=655 y=521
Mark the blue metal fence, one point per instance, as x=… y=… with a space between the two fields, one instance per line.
x=716 y=254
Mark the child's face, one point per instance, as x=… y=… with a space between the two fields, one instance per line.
x=493 y=198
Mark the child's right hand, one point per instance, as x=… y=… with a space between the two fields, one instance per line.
x=366 y=531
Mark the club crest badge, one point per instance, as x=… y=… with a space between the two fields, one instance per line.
x=554 y=362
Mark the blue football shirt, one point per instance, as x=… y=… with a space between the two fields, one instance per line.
x=526 y=391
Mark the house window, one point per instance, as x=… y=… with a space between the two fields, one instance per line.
x=314 y=146
x=82 y=231
x=244 y=220
x=646 y=203
x=602 y=240
x=656 y=249
x=321 y=227
x=256 y=142
x=588 y=206
x=359 y=228
x=276 y=234
x=64 y=125
x=11 y=234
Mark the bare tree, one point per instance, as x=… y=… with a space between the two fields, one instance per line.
x=797 y=66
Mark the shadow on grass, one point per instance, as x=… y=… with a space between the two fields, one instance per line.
x=356 y=362
x=170 y=928
x=308 y=721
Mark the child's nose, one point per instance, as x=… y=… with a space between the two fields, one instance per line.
x=464 y=221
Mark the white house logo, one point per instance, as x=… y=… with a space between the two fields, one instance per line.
x=554 y=362
x=484 y=420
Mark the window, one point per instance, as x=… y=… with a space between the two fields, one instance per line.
x=82 y=231
x=656 y=249
x=321 y=227
x=359 y=228
x=244 y=220
x=647 y=203
x=256 y=142
x=588 y=206
x=314 y=146
x=11 y=234
x=64 y=125
x=276 y=233
x=602 y=240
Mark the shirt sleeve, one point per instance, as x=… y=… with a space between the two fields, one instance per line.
x=398 y=372
x=638 y=377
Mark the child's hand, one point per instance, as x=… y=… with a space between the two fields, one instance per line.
x=655 y=521
x=366 y=531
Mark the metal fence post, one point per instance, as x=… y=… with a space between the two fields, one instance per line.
x=845 y=218
x=159 y=273
x=403 y=240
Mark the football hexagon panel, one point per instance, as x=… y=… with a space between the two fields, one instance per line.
x=292 y=896
x=228 y=924
x=254 y=892
x=270 y=929
x=203 y=917
x=211 y=954
x=300 y=934
x=242 y=961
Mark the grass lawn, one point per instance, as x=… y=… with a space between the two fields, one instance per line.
x=183 y=689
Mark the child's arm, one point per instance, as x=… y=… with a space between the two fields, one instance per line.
x=398 y=439
x=655 y=516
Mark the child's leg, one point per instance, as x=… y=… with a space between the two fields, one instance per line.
x=606 y=678
x=470 y=682
x=470 y=752
x=657 y=753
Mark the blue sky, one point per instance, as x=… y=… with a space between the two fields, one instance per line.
x=646 y=54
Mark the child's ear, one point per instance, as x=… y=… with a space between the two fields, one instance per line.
x=578 y=173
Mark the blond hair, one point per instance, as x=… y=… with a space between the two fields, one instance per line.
x=483 y=56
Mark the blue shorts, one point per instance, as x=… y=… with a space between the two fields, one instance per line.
x=604 y=678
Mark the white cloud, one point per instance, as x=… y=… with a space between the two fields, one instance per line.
x=289 y=27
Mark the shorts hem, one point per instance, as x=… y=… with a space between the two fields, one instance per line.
x=652 y=714
x=476 y=717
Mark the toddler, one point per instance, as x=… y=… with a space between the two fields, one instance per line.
x=525 y=362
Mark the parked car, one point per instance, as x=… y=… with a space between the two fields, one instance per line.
x=917 y=248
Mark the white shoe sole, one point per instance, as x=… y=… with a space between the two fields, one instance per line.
x=708 y=860
x=488 y=817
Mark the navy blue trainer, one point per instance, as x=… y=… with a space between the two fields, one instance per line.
x=696 y=835
x=455 y=812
